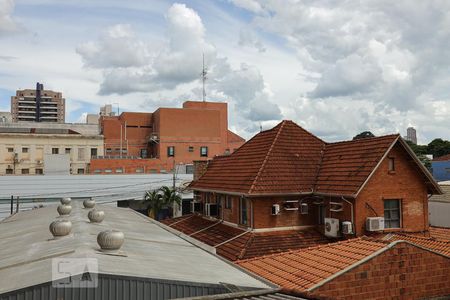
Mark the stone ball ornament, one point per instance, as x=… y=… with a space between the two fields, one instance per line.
x=110 y=240
x=60 y=228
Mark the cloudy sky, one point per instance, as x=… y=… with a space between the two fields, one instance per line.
x=335 y=67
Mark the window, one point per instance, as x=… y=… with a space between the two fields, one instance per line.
x=24 y=150
x=10 y=149
x=392 y=213
x=80 y=171
x=93 y=152
x=228 y=202
x=391 y=164
x=203 y=151
x=55 y=150
x=108 y=150
x=39 y=171
x=108 y=171
x=191 y=149
x=9 y=171
x=243 y=206
x=25 y=171
x=189 y=169
x=139 y=170
x=67 y=150
x=144 y=153
x=171 y=151
x=97 y=171
x=119 y=170
x=81 y=154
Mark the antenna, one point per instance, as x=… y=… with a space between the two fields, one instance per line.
x=260 y=127
x=204 y=72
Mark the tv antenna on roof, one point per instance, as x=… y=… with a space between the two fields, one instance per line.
x=204 y=72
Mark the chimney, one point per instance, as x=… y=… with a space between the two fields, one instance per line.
x=200 y=167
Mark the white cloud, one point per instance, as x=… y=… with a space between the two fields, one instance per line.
x=247 y=38
x=7 y=24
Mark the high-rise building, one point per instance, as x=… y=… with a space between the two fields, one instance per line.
x=38 y=105
x=411 y=135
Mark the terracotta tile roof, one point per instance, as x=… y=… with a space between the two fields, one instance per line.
x=287 y=148
x=438 y=245
x=289 y=160
x=233 y=137
x=234 y=243
x=440 y=233
x=302 y=269
x=346 y=165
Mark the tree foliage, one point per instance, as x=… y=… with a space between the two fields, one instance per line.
x=363 y=135
x=162 y=198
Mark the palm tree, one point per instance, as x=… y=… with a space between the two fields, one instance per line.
x=170 y=197
x=153 y=202
x=162 y=198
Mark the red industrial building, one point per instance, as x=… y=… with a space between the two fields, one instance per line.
x=156 y=142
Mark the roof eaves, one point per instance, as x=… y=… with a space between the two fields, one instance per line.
x=267 y=157
x=377 y=166
x=421 y=167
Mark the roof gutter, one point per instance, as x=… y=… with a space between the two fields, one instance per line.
x=272 y=194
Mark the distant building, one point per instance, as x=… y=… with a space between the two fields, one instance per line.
x=5 y=117
x=411 y=135
x=156 y=142
x=439 y=207
x=105 y=111
x=30 y=150
x=38 y=105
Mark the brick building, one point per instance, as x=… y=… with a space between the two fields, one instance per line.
x=358 y=269
x=287 y=178
x=156 y=142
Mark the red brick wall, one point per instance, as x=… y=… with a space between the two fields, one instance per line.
x=405 y=184
x=129 y=166
x=263 y=218
x=402 y=272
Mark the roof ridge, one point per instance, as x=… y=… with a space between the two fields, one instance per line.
x=267 y=155
x=364 y=139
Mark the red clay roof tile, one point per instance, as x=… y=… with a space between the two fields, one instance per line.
x=302 y=269
x=289 y=160
x=439 y=245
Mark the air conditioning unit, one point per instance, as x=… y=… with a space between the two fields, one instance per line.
x=304 y=208
x=275 y=209
x=375 y=224
x=211 y=209
x=347 y=227
x=196 y=207
x=331 y=227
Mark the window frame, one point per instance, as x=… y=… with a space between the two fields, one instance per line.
x=170 y=151
x=55 y=152
x=388 y=221
x=10 y=148
x=228 y=202
x=391 y=164
x=201 y=151
x=25 y=150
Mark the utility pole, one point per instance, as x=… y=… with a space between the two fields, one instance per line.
x=174 y=177
x=204 y=72
x=12 y=204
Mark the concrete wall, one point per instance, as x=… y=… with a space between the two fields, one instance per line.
x=85 y=129
x=56 y=164
x=439 y=213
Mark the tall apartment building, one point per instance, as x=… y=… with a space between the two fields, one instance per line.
x=38 y=105
x=411 y=135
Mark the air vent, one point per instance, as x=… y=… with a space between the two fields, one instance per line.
x=96 y=216
x=66 y=200
x=64 y=210
x=89 y=203
x=60 y=228
x=110 y=240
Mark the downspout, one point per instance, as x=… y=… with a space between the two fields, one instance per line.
x=352 y=217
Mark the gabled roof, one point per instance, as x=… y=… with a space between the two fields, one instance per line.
x=301 y=270
x=308 y=269
x=439 y=245
x=284 y=159
x=288 y=160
